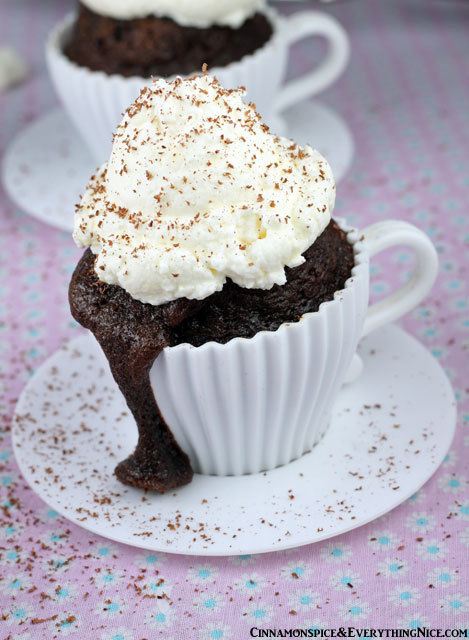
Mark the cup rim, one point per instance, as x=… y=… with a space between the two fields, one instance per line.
x=54 y=47
x=361 y=260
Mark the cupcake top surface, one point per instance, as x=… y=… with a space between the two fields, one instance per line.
x=197 y=190
x=190 y=13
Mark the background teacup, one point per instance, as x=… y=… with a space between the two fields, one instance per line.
x=95 y=101
x=251 y=405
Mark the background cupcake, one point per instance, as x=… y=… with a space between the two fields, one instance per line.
x=100 y=58
x=161 y=38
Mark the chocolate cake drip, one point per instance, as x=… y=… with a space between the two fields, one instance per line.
x=132 y=334
x=159 y=46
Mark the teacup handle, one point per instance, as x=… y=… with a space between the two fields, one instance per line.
x=392 y=233
x=304 y=24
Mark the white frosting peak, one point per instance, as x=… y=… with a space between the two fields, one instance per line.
x=191 y=13
x=198 y=190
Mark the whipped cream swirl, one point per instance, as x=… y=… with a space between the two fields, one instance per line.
x=197 y=190
x=188 y=13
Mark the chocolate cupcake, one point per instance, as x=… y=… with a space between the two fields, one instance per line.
x=100 y=58
x=160 y=38
x=206 y=234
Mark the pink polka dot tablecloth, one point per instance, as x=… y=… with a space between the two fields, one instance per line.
x=405 y=97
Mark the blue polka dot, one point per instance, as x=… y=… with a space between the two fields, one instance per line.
x=259 y=613
x=15 y=584
x=306 y=600
x=464 y=511
x=337 y=553
x=58 y=563
x=394 y=567
x=415 y=624
x=355 y=611
x=52 y=513
x=210 y=603
x=444 y=577
x=204 y=573
x=108 y=577
x=345 y=580
x=422 y=522
x=151 y=559
x=298 y=570
x=112 y=607
x=118 y=636
x=405 y=595
x=456 y=604
x=216 y=634
x=160 y=617
x=454 y=482
x=433 y=549
x=13 y=555
x=62 y=593
x=103 y=551
x=384 y=540
x=250 y=584
x=19 y=613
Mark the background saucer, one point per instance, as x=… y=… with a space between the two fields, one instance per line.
x=390 y=431
x=47 y=166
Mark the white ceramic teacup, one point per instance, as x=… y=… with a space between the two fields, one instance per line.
x=95 y=101
x=254 y=404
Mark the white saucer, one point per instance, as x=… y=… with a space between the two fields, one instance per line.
x=390 y=431
x=47 y=166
